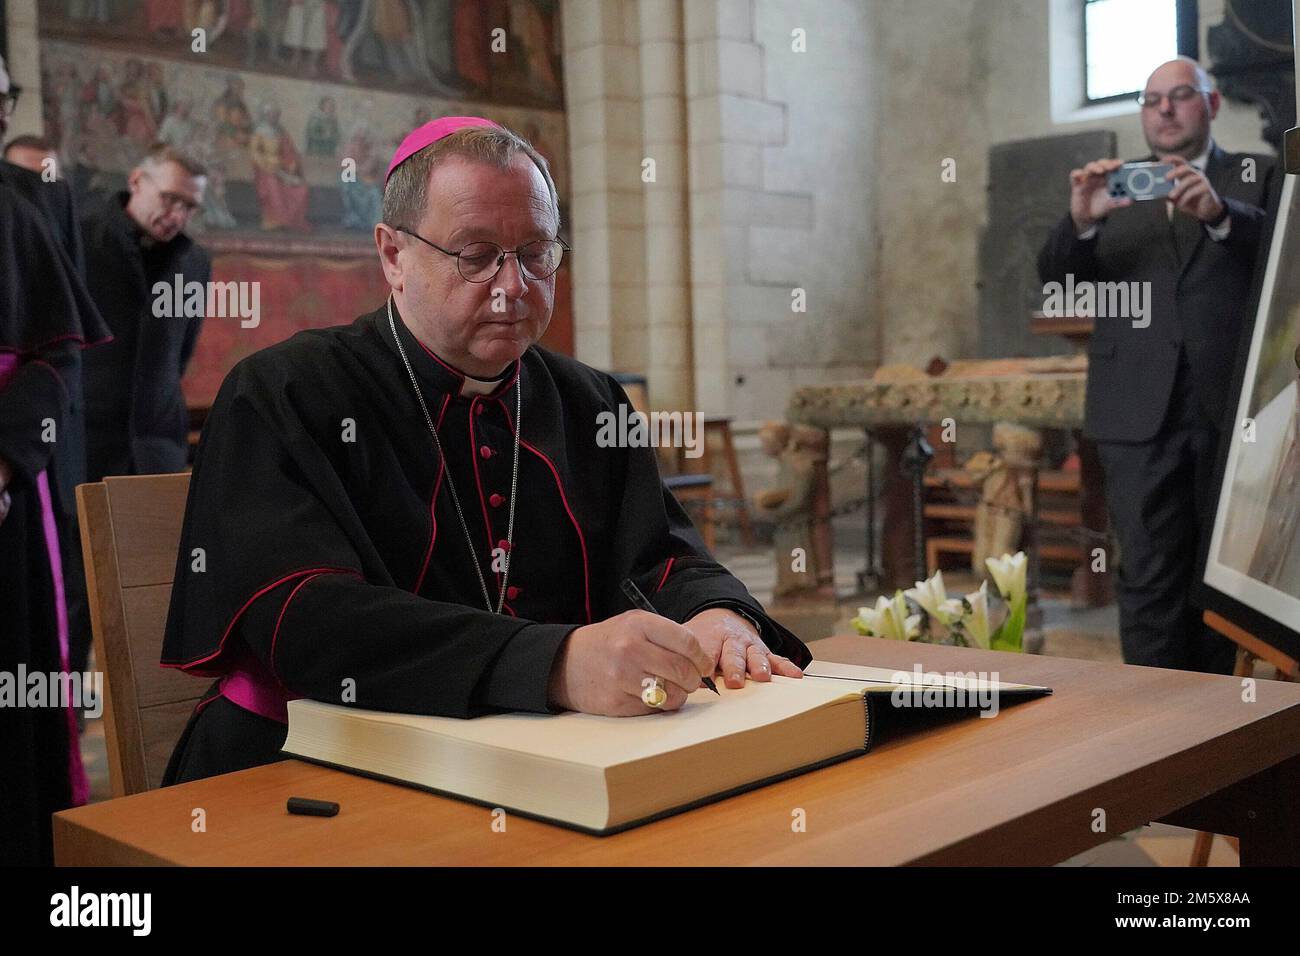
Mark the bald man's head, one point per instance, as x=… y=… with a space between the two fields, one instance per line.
x=1178 y=122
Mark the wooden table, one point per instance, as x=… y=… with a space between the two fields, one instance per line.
x=1138 y=743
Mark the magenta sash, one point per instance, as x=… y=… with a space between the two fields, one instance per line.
x=254 y=690
x=79 y=785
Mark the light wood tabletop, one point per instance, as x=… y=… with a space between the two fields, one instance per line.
x=1115 y=746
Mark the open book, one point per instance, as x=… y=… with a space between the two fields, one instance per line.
x=604 y=774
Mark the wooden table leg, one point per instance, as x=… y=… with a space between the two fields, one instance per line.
x=1263 y=811
x=896 y=556
x=1092 y=588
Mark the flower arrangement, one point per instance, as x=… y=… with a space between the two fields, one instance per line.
x=926 y=612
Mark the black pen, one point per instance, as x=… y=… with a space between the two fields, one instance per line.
x=640 y=600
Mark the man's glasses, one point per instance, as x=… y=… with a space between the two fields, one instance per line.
x=1179 y=94
x=9 y=101
x=481 y=261
x=174 y=200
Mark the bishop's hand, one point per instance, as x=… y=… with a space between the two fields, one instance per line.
x=736 y=649
x=601 y=668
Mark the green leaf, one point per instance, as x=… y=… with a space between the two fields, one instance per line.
x=1010 y=636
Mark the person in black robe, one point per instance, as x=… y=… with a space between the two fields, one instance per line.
x=137 y=422
x=46 y=318
x=343 y=545
x=58 y=207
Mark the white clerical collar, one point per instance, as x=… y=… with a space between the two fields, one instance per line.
x=478 y=386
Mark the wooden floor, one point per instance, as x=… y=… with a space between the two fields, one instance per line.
x=1082 y=634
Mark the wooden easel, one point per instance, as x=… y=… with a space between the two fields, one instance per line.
x=1249 y=649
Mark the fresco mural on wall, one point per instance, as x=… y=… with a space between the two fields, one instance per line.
x=286 y=92
x=296 y=105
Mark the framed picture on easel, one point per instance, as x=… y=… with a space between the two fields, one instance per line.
x=1252 y=564
x=1251 y=583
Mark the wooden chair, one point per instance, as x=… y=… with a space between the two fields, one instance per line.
x=130 y=531
x=719 y=427
x=693 y=490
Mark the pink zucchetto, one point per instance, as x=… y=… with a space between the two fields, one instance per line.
x=430 y=133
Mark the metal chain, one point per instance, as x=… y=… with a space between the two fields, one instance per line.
x=451 y=485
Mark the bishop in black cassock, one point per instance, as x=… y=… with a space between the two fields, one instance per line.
x=359 y=527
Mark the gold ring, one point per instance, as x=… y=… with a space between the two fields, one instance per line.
x=653 y=693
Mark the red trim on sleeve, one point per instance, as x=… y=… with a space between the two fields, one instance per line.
x=186 y=665
x=667 y=567
x=202 y=705
x=275 y=634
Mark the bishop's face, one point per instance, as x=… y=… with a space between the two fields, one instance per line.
x=480 y=327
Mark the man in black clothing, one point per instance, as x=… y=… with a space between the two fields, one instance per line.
x=34 y=153
x=54 y=200
x=136 y=419
x=1158 y=384
x=46 y=318
x=413 y=513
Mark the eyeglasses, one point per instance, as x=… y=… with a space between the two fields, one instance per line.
x=174 y=200
x=9 y=101
x=1179 y=94
x=481 y=261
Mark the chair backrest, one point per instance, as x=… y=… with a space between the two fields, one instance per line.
x=638 y=393
x=130 y=531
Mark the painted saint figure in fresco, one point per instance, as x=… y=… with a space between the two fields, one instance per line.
x=304 y=34
x=155 y=92
x=234 y=122
x=277 y=174
x=263 y=26
x=323 y=129
x=363 y=197
x=178 y=128
x=135 y=119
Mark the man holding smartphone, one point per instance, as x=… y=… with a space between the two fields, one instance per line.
x=1158 y=389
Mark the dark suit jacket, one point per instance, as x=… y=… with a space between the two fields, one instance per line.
x=136 y=420
x=1199 y=299
x=59 y=212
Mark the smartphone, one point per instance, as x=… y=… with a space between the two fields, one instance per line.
x=1140 y=181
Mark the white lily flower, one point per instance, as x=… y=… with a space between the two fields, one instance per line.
x=933 y=598
x=889 y=618
x=905 y=626
x=872 y=618
x=977 y=623
x=951 y=611
x=1008 y=573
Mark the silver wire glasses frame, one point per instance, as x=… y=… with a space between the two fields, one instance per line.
x=482 y=261
x=1179 y=94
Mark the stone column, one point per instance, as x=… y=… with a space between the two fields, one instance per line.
x=668 y=351
x=603 y=97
